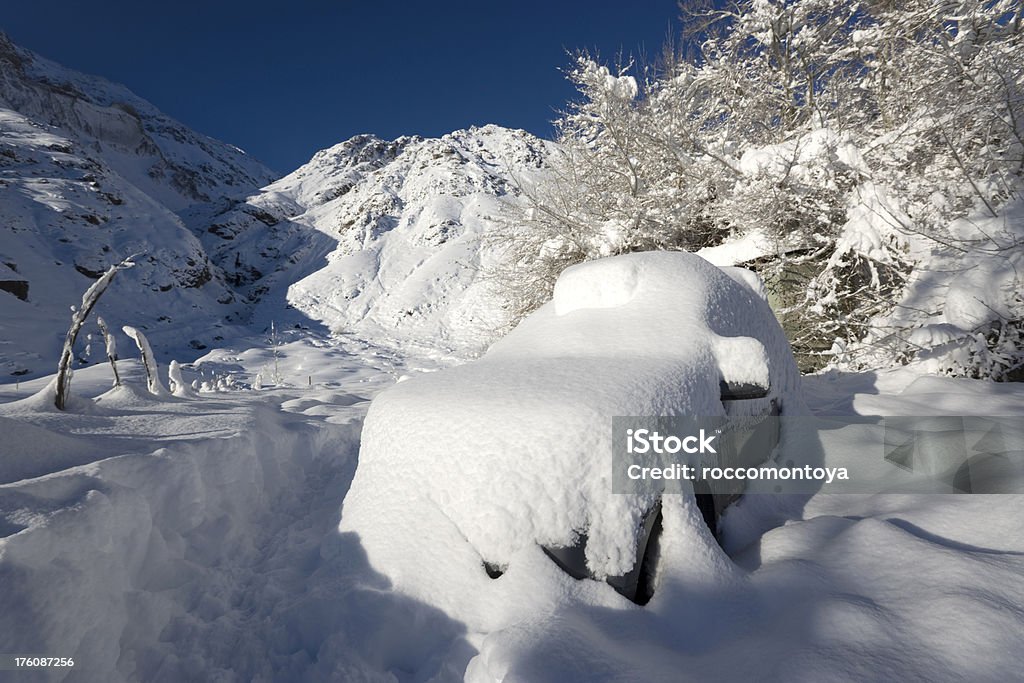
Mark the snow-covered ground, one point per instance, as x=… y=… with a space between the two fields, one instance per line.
x=195 y=539
x=177 y=539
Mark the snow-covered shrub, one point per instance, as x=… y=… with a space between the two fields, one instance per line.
x=177 y=383
x=219 y=382
x=995 y=353
x=981 y=329
x=275 y=342
x=855 y=136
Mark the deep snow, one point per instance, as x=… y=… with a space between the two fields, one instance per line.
x=169 y=538
x=172 y=539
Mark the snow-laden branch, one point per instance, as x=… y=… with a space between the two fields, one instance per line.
x=78 y=317
x=110 y=345
x=156 y=387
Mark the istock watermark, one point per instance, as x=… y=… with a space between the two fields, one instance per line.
x=642 y=441
x=772 y=454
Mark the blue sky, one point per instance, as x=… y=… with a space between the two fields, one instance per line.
x=285 y=79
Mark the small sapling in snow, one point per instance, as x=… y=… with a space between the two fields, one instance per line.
x=156 y=387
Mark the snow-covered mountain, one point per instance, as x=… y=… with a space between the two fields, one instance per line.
x=89 y=174
x=379 y=239
x=384 y=239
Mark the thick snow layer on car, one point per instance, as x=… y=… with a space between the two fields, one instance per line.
x=483 y=461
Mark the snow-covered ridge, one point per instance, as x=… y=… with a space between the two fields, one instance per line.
x=160 y=156
x=384 y=239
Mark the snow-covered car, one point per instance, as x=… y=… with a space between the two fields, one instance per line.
x=463 y=471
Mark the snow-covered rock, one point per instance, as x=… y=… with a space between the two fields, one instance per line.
x=484 y=461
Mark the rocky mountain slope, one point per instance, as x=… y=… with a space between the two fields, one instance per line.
x=90 y=174
x=161 y=157
x=384 y=239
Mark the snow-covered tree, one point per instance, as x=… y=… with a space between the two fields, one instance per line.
x=594 y=201
x=850 y=137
